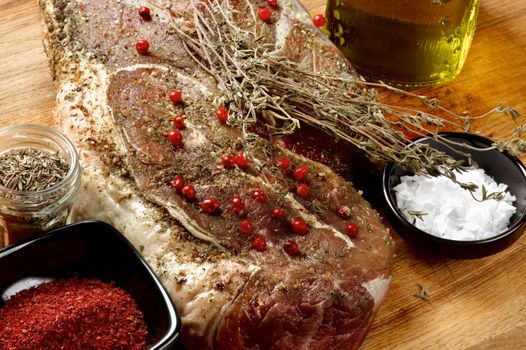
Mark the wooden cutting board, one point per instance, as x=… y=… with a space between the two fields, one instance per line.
x=475 y=304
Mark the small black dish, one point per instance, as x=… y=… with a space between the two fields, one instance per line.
x=503 y=167
x=92 y=249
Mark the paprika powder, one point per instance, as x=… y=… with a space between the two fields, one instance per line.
x=72 y=313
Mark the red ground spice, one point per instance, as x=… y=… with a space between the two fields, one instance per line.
x=72 y=314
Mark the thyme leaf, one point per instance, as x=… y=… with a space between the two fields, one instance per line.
x=316 y=207
x=423 y=292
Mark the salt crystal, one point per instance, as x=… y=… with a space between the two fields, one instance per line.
x=448 y=211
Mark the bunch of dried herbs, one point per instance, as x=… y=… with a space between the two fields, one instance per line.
x=258 y=81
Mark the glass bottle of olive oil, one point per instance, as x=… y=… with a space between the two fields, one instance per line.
x=404 y=42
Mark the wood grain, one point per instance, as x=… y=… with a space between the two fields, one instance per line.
x=475 y=304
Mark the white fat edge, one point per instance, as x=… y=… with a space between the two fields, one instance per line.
x=201 y=305
x=313 y=221
x=377 y=287
x=111 y=199
x=189 y=224
x=137 y=66
x=94 y=97
x=51 y=12
x=69 y=118
x=115 y=199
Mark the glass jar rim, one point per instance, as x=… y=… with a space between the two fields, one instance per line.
x=74 y=166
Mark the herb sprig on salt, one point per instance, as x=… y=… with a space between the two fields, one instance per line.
x=446 y=209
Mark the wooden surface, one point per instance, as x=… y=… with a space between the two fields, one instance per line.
x=476 y=304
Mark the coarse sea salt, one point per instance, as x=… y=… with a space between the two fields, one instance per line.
x=439 y=206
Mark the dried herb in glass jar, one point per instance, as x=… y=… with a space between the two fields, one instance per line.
x=39 y=177
x=31 y=169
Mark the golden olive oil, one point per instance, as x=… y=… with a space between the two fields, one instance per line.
x=404 y=42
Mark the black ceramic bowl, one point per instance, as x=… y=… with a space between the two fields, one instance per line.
x=93 y=250
x=501 y=166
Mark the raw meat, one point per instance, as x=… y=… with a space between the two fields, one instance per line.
x=112 y=102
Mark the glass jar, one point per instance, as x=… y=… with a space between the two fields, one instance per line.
x=404 y=42
x=25 y=213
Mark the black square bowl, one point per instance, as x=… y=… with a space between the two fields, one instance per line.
x=92 y=249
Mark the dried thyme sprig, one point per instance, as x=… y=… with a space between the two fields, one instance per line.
x=417 y=214
x=259 y=80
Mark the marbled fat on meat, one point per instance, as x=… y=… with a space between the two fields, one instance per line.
x=113 y=104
